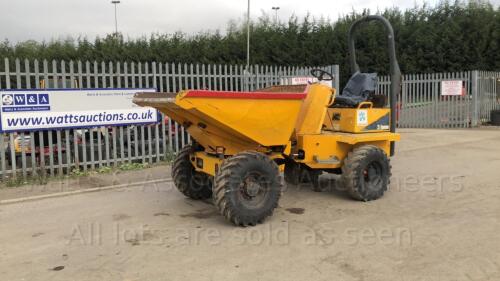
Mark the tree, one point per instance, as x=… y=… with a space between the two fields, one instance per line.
x=453 y=36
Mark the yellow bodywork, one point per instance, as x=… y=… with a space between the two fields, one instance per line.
x=282 y=125
x=235 y=124
x=358 y=120
x=327 y=150
x=313 y=110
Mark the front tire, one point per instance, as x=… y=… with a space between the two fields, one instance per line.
x=188 y=181
x=366 y=173
x=247 y=188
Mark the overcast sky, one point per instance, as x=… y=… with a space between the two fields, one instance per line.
x=48 y=19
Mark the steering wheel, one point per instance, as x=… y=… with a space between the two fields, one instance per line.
x=321 y=74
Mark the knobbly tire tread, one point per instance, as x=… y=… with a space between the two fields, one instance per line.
x=352 y=172
x=182 y=173
x=222 y=188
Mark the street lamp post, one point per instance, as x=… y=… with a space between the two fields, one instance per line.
x=116 y=2
x=276 y=14
x=248 y=36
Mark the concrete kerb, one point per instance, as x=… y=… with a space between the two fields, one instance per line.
x=81 y=191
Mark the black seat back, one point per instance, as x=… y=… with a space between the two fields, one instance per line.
x=359 y=87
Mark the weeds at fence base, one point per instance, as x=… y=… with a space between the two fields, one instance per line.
x=78 y=173
x=133 y=166
x=169 y=156
x=20 y=181
x=107 y=169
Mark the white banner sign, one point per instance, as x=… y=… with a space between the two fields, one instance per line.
x=303 y=80
x=24 y=110
x=451 y=88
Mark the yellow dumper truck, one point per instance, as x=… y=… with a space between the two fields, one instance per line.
x=242 y=140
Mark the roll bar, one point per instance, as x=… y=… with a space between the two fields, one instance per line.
x=394 y=66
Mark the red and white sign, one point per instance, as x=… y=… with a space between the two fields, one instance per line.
x=452 y=88
x=303 y=80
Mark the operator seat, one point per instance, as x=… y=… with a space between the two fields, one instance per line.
x=358 y=89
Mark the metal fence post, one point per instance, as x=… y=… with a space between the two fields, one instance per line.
x=475 y=99
x=9 y=136
x=336 y=73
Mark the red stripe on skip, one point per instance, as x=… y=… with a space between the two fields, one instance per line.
x=244 y=95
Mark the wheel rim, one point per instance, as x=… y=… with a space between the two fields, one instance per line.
x=253 y=190
x=373 y=176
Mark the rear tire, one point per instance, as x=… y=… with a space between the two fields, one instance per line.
x=247 y=188
x=366 y=173
x=495 y=117
x=193 y=184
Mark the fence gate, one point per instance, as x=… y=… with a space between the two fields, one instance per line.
x=487 y=85
x=422 y=103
